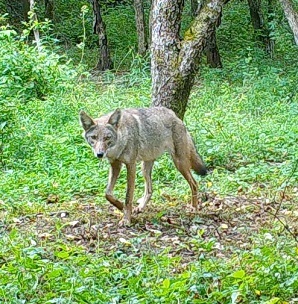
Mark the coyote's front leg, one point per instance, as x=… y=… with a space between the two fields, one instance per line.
x=113 y=175
x=127 y=208
x=147 y=171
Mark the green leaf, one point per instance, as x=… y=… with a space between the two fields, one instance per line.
x=62 y=254
x=2 y=125
x=272 y=301
x=166 y=283
x=240 y=274
x=54 y=274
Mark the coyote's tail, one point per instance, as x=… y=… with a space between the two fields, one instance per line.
x=197 y=164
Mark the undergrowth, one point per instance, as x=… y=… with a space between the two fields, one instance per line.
x=244 y=121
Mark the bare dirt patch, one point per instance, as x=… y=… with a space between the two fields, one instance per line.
x=222 y=226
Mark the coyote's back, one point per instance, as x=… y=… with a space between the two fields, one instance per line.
x=132 y=135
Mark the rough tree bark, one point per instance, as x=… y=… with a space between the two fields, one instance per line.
x=292 y=17
x=211 y=49
x=104 y=62
x=174 y=62
x=140 y=25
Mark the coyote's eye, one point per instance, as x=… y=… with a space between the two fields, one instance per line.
x=107 y=137
x=93 y=137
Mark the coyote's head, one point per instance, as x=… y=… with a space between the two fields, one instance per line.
x=101 y=134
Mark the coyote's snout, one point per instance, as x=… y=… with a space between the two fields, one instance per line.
x=132 y=135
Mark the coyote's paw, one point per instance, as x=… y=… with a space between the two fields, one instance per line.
x=140 y=208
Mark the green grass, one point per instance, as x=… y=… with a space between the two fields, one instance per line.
x=59 y=240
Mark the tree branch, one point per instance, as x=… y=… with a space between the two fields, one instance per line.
x=196 y=36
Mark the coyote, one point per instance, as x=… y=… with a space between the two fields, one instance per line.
x=132 y=135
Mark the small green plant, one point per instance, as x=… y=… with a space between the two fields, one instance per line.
x=59 y=242
x=81 y=45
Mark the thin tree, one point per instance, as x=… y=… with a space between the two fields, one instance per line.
x=25 y=8
x=211 y=49
x=256 y=15
x=99 y=28
x=140 y=25
x=33 y=17
x=175 y=61
x=49 y=9
x=258 y=23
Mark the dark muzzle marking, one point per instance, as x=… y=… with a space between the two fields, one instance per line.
x=100 y=154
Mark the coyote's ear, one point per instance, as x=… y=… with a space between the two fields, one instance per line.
x=86 y=121
x=115 y=118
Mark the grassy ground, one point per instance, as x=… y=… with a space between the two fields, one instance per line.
x=59 y=239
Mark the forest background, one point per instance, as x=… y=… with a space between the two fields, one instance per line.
x=59 y=239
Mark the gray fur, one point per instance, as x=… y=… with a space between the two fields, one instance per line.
x=132 y=135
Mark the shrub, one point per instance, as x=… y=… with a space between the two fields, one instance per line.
x=25 y=74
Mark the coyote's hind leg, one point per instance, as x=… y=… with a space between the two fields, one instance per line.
x=183 y=166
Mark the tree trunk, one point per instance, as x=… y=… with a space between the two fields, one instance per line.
x=270 y=40
x=26 y=9
x=174 y=62
x=104 y=62
x=255 y=14
x=212 y=51
x=35 y=29
x=292 y=17
x=140 y=25
x=194 y=7
x=260 y=29
x=49 y=9
x=150 y=24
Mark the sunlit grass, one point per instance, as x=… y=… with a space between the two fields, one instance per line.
x=244 y=121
